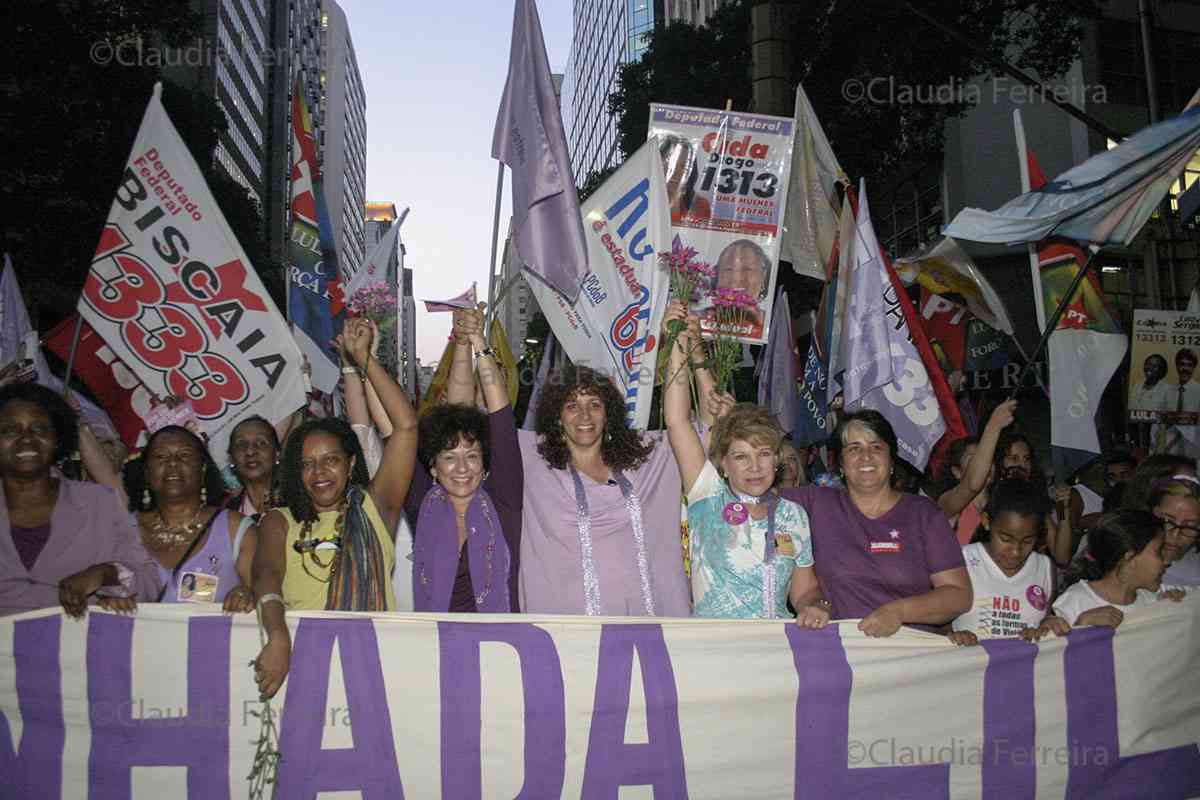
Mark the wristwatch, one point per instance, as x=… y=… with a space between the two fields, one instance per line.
x=487 y=351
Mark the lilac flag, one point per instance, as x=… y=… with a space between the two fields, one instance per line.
x=529 y=138
x=777 y=367
x=883 y=368
x=549 y=356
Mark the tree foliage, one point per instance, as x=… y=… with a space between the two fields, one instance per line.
x=71 y=112
x=834 y=42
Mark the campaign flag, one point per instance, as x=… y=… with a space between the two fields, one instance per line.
x=172 y=293
x=777 y=368
x=549 y=355
x=836 y=294
x=613 y=327
x=1084 y=350
x=316 y=302
x=726 y=175
x=810 y=226
x=529 y=138
x=379 y=266
x=883 y=368
x=812 y=423
x=465 y=300
x=436 y=392
x=944 y=269
x=1103 y=201
x=18 y=340
x=126 y=399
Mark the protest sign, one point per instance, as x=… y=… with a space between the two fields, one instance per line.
x=727 y=176
x=433 y=705
x=1162 y=385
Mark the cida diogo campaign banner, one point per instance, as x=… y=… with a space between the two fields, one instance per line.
x=1163 y=382
x=173 y=295
x=420 y=705
x=613 y=327
x=727 y=177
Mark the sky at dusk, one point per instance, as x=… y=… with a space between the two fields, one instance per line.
x=433 y=73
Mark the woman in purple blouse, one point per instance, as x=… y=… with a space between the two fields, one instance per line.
x=464 y=505
x=62 y=542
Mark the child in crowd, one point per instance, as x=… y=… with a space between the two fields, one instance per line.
x=1121 y=570
x=1013 y=585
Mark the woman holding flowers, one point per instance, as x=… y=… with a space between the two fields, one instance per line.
x=750 y=549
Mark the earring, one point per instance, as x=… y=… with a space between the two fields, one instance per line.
x=486 y=473
x=147 y=498
x=608 y=436
x=203 y=495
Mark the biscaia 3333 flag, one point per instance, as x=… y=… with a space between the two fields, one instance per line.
x=316 y=303
x=172 y=293
x=529 y=138
x=613 y=326
x=883 y=369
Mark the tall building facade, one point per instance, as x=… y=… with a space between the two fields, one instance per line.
x=518 y=305
x=342 y=137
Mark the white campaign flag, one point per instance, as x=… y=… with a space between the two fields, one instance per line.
x=378 y=266
x=810 y=225
x=173 y=295
x=614 y=325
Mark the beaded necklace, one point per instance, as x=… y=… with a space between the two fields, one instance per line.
x=308 y=545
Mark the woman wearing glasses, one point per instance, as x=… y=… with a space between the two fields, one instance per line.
x=1176 y=501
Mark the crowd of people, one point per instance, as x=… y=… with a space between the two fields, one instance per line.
x=461 y=511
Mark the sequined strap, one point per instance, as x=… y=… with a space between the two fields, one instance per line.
x=591 y=581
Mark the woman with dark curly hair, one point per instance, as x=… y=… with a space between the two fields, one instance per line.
x=62 y=542
x=464 y=505
x=254 y=453
x=176 y=490
x=330 y=544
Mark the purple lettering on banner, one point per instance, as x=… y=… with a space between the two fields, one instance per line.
x=823 y=731
x=462 y=713
x=1009 y=722
x=370 y=766
x=34 y=769
x=1096 y=767
x=163 y=737
x=611 y=762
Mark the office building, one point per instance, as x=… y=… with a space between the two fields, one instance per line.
x=398 y=350
x=342 y=137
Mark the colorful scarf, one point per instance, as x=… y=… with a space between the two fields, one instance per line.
x=360 y=581
x=436 y=554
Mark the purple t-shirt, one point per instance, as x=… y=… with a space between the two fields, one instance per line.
x=863 y=563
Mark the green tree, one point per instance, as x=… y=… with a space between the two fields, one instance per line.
x=593 y=182
x=833 y=43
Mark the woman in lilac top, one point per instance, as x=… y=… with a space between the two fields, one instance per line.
x=61 y=542
x=202 y=551
x=882 y=556
x=464 y=504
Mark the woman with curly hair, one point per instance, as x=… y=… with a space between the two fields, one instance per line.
x=1014 y=458
x=175 y=490
x=601 y=505
x=750 y=550
x=329 y=545
x=464 y=505
x=254 y=454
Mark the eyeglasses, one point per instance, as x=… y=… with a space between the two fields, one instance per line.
x=1186 y=530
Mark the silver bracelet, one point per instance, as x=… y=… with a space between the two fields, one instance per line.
x=271 y=597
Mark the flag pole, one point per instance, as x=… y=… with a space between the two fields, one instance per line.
x=74 y=347
x=495 y=243
x=1053 y=322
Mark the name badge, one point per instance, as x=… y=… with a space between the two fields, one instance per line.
x=885 y=547
x=784 y=545
x=197 y=587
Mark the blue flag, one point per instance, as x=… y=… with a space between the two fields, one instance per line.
x=813 y=408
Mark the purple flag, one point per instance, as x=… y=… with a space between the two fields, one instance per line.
x=777 y=367
x=529 y=138
x=884 y=371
